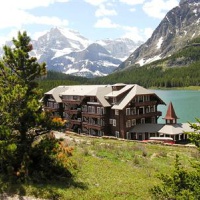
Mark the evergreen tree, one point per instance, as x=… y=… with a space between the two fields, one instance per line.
x=181 y=184
x=21 y=117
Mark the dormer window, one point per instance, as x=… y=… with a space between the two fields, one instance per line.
x=114 y=99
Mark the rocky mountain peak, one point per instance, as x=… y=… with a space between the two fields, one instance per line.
x=180 y=25
x=188 y=1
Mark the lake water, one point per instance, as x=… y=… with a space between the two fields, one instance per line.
x=186 y=104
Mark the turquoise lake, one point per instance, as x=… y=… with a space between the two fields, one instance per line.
x=186 y=104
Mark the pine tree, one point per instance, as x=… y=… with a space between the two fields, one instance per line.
x=21 y=115
x=181 y=184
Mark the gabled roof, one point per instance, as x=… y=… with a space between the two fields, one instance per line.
x=100 y=93
x=55 y=92
x=172 y=129
x=136 y=90
x=170 y=115
x=168 y=129
x=79 y=90
x=117 y=93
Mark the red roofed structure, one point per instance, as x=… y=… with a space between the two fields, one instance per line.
x=170 y=117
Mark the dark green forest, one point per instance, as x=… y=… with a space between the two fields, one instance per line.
x=182 y=69
x=54 y=79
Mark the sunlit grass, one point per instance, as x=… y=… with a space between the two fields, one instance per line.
x=112 y=169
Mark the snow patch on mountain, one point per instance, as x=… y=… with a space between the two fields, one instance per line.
x=67 y=51
x=160 y=41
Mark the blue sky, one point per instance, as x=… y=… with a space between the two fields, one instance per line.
x=94 y=19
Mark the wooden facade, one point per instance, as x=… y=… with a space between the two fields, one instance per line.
x=111 y=110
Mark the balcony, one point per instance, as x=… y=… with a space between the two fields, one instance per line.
x=70 y=101
x=144 y=115
x=72 y=112
x=145 y=103
x=94 y=115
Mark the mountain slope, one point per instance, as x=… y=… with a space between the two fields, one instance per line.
x=67 y=51
x=180 y=25
x=178 y=70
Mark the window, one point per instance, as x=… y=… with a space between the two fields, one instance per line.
x=114 y=100
x=128 y=111
x=143 y=121
x=153 y=121
x=128 y=123
x=117 y=134
x=133 y=122
x=147 y=98
x=114 y=122
x=140 y=98
x=153 y=108
x=99 y=110
x=133 y=111
x=110 y=121
x=75 y=98
x=116 y=112
x=89 y=109
x=93 y=109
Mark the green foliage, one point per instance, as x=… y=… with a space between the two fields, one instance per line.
x=22 y=121
x=195 y=136
x=182 y=183
x=54 y=79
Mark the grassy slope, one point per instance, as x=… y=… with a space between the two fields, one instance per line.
x=111 y=169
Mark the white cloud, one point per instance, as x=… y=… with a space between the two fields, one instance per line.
x=95 y=2
x=105 y=23
x=102 y=11
x=14 y=14
x=132 y=2
x=159 y=8
x=24 y=4
x=132 y=33
x=132 y=9
x=137 y=34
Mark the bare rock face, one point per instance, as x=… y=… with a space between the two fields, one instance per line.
x=180 y=25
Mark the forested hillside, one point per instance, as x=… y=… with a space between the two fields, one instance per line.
x=179 y=70
x=54 y=79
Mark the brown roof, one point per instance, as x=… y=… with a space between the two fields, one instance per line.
x=170 y=112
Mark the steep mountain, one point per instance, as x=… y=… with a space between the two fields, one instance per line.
x=92 y=61
x=179 y=26
x=181 y=69
x=120 y=47
x=67 y=51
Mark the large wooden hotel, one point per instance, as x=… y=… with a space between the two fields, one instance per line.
x=122 y=110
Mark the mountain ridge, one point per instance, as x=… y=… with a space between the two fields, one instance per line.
x=67 y=51
x=179 y=26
